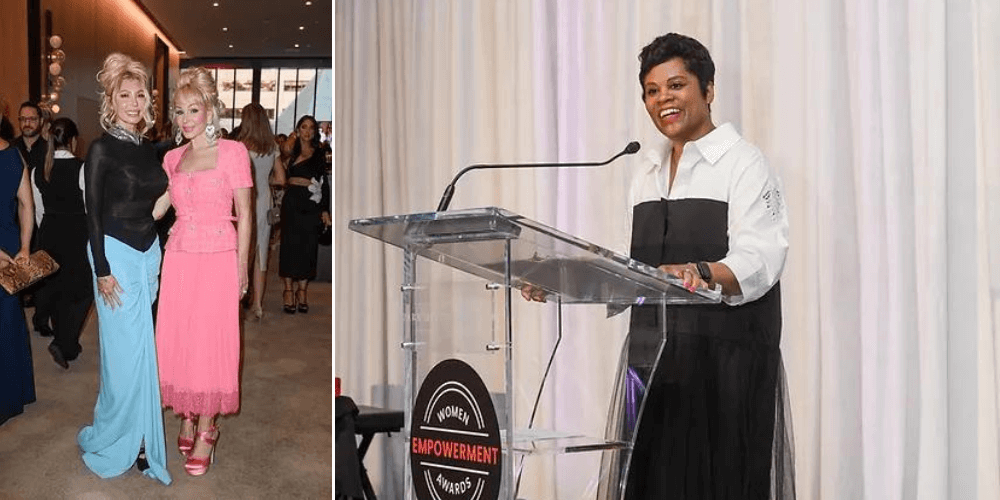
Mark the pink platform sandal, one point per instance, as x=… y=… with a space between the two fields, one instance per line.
x=199 y=466
x=185 y=444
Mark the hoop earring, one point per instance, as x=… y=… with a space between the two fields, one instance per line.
x=179 y=137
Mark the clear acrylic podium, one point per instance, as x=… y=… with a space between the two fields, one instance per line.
x=459 y=301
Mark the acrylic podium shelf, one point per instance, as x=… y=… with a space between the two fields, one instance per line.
x=467 y=314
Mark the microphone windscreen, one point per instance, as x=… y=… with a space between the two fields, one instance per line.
x=632 y=148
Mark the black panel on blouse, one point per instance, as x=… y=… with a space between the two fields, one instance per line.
x=123 y=181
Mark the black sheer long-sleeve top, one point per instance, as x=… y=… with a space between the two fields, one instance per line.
x=123 y=180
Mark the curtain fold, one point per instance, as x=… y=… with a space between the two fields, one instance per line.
x=881 y=118
x=986 y=81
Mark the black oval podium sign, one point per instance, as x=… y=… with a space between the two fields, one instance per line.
x=454 y=436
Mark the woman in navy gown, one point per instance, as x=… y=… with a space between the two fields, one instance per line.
x=17 y=213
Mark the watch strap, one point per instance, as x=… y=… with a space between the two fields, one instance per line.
x=704 y=271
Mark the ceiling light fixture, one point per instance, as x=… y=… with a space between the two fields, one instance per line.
x=296 y=46
x=215 y=4
x=230 y=45
x=301 y=28
x=308 y=2
x=224 y=28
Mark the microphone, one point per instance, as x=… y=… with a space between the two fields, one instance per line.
x=631 y=148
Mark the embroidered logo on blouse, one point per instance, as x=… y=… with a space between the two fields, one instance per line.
x=773 y=203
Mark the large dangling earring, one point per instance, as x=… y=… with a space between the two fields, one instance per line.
x=179 y=137
x=210 y=132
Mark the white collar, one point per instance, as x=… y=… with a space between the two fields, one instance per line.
x=711 y=146
x=60 y=154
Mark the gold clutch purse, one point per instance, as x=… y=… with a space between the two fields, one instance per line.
x=16 y=277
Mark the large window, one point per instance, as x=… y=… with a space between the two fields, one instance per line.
x=286 y=94
x=290 y=93
x=235 y=90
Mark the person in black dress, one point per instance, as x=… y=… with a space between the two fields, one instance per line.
x=62 y=232
x=304 y=210
x=706 y=207
x=17 y=381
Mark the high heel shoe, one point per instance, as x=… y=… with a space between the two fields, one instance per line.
x=140 y=460
x=185 y=444
x=195 y=466
x=289 y=301
x=303 y=305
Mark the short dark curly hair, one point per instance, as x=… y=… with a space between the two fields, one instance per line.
x=696 y=58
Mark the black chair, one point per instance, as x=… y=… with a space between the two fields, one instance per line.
x=365 y=421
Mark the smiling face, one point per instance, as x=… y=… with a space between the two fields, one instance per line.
x=675 y=103
x=129 y=103
x=190 y=115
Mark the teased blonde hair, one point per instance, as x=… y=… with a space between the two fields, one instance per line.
x=117 y=68
x=199 y=82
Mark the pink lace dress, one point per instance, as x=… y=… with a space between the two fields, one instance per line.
x=197 y=324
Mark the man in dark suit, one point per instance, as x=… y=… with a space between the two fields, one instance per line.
x=33 y=149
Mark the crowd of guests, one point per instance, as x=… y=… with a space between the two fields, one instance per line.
x=167 y=306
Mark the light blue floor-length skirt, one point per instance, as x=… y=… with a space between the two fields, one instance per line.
x=128 y=411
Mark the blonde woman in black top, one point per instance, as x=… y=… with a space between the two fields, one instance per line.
x=123 y=180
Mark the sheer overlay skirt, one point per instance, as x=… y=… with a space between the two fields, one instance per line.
x=198 y=332
x=716 y=424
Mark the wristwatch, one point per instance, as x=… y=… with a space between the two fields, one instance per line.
x=704 y=271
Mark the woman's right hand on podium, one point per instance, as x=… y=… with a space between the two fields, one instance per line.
x=532 y=293
x=686 y=272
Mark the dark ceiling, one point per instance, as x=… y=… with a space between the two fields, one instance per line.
x=246 y=28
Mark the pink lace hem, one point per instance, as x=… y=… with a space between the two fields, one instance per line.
x=200 y=403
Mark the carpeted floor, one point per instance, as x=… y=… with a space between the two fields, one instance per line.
x=278 y=446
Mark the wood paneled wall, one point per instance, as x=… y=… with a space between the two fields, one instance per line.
x=91 y=29
x=13 y=57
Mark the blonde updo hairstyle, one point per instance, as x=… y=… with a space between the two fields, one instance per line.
x=199 y=82
x=117 y=68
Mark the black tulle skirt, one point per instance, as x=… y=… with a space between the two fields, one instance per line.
x=716 y=423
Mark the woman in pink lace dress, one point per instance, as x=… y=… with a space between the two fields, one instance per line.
x=204 y=270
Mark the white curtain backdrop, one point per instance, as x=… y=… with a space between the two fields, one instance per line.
x=882 y=118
